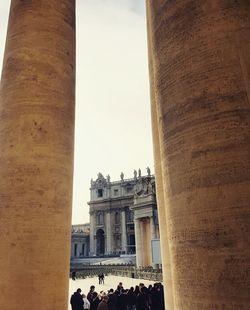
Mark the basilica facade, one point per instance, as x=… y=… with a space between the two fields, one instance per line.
x=123 y=219
x=123 y=216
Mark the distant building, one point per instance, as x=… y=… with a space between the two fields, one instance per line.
x=123 y=216
x=80 y=241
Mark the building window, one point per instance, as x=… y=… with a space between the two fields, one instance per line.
x=117 y=218
x=75 y=249
x=100 y=192
x=130 y=216
x=83 y=248
x=99 y=218
x=116 y=192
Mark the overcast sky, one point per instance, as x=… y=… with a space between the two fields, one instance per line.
x=113 y=129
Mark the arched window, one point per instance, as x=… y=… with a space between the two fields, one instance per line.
x=99 y=218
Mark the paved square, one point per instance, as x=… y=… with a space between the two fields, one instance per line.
x=109 y=282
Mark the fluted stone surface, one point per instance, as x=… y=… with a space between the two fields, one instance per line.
x=201 y=79
x=36 y=154
x=161 y=210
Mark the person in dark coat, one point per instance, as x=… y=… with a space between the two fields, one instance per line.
x=90 y=293
x=142 y=300
x=119 y=288
x=137 y=290
x=162 y=296
x=123 y=300
x=94 y=302
x=131 y=299
x=112 y=300
x=76 y=300
x=102 y=278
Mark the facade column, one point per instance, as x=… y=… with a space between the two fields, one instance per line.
x=152 y=228
x=153 y=236
x=36 y=154
x=138 y=243
x=108 y=232
x=124 y=232
x=201 y=81
x=146 y=244
x=91 y=234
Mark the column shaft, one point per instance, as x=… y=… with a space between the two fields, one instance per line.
x=138 y=243
x=146 y=244
x=160 y=193
x=36 y=154
x=108 y=232
x=124 y=232
x=200 y=53
x=91 y=234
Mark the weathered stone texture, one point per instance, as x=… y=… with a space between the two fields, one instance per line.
x=167 y=277
x=36 y=154
x=200 y=57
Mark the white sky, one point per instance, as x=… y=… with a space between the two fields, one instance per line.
x=113 y=129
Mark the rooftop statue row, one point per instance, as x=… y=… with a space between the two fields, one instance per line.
x=137 y=175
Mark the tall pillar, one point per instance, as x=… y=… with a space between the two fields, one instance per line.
x=108 y=232
x=152 y=236
x=146 y=244
x=36 y=154
x=160 y=193
x=138 y=243
x=152 y=228
x=92 y=233
x=124 y=232
x=200 y=54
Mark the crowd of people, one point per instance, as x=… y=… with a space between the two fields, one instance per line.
x=139 y=297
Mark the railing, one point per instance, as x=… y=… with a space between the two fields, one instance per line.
x=146 y=273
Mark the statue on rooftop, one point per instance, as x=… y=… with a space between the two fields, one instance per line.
x=148 y=171
x=100 y=176
x=139 y=173
x=108 y=178
x=122 y=176
x=135 y=174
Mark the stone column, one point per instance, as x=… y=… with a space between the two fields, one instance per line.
x=108 y=232
x=152 y=228
x=138 y=243
x=92 y=233
x=146 y=244
x=160 y=194
x=200 y=54
x=153 y=236
x=124 y=232
x=36 y=154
